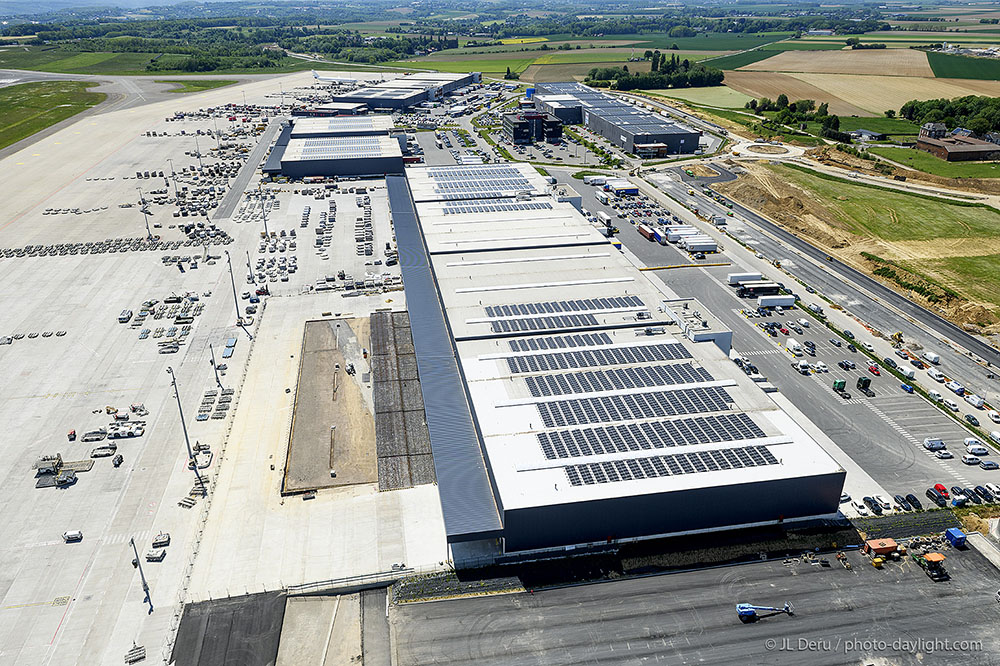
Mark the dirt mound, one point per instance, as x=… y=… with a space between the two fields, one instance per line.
x=799 y=212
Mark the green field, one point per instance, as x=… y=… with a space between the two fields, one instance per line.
x=892 y=215
x=948 y=66
x=918 y=160
x=720 y=96
x=28 y=108
x=801 y=45
x=486 y=65
x=738 y=60
x=196 y=85
x=709 y=41
x=978 y=276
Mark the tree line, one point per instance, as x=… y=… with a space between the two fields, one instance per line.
x=976 y=113
x=672 y=73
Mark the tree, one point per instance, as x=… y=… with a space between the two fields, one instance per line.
x=890 y=114
x=823 y=110
x=648 y=54
x=752 y=105
x=978 y=125
x=655 y=65
x=625 y=68
x=782 y=101
x=853 y=41
x=674 y=47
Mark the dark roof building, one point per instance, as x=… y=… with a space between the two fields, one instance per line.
x=621 y=123
x=531 y=126
x=959 y=148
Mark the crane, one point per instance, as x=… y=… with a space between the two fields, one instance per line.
x=748 y=612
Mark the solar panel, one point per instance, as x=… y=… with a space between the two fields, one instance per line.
x=616 y=379
x=677 y=464
x=542 y=323
x=559 y=341
x=633 y=407
x=581 y=305
x=590 y=358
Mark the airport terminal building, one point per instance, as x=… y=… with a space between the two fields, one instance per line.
x=632 y=129
x=567 y=401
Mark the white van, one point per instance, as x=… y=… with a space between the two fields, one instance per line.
x=995 y=436
x=950 y=404
x=931 y=357
x=934 y=444
x=970 y=459
x=977 y=450
x=993 y=416
x=935 y=374
x=804 y=323
x=934 y=396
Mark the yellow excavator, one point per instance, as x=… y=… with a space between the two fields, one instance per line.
x=897 y=340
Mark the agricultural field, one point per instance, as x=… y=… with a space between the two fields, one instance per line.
x=919 y=160
x=737 y=60
x=28 y=108
x=571 y=71
x=877 y=94
x=720 y=96
x=491 y=66
x=802 y=45
x=711 y=41
x=772 y=84
x=75 y=62
x=196 y=85
x=949 y=66
x=881 y=62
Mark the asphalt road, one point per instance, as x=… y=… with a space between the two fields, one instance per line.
x=239 y=184
x=690 y=618
x=846 y=280
x=874 y=308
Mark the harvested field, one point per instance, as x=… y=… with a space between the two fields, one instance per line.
x=772 y=84
x=878 y=93
x=895 y=62
x=721 y=96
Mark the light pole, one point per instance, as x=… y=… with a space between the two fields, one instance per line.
x=142 y=576
x=236 y=300
x=263 y=212
x=215 y=366
x=218 y=142
x=197 y=149
x=250 y=268
x=173 y=175
x=145 y=214
x=187 y=440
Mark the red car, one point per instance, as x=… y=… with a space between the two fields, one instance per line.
x=941 y=489
x=784 y=331
x=874 y=370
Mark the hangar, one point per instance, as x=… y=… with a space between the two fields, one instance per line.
x=566 y=401
x=406 y=91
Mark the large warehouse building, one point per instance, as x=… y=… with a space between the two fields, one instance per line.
x=632 y=129
x=341 y=146
x=407 y=91
x=566 y=399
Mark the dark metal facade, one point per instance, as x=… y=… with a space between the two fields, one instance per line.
x=467 y=499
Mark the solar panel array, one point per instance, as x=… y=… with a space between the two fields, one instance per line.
x=616 y=379
x=634 y=406
x=478 y=181
x=592 y=358
x=601 y=440
x=561 y=342
x=552 y=307
x=670 y=465
x=481 y=206
x=542 y=323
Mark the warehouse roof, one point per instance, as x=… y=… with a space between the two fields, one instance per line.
x=581 y=385
x=304 y=127
x=341 y=148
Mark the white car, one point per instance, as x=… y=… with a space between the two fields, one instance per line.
x=883 y=503
x=821 y=367
x=804 y=323
x=860 y=508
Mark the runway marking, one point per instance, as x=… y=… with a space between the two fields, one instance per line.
x=58 y=601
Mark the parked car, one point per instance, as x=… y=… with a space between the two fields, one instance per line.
x=937 y=497
x=988 y=465
x=874 y=369
x=914 y=502
x=835 y=342
x=902 y=502
x=941 y=489
x=944 y=455
x=972 y=420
